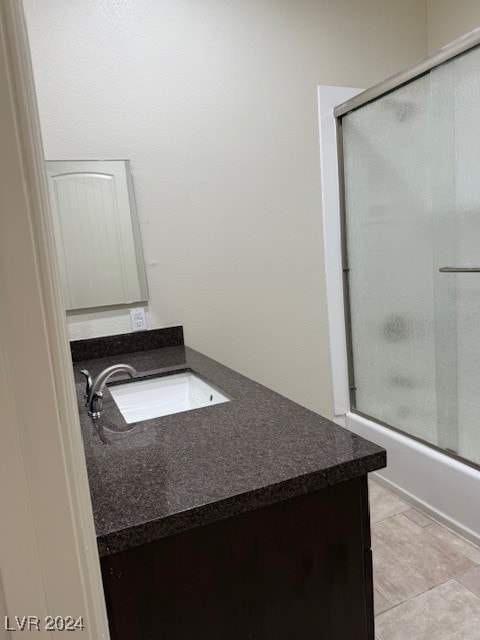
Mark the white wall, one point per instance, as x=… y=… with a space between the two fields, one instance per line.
x=450 y=19
x=214 y=103
x=4 y=634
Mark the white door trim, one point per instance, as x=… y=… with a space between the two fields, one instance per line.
x=328 y=98
x=48 y=557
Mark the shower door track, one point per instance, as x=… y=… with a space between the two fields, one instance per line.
x=449 y=51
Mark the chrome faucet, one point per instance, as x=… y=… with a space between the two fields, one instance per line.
x=94 y=390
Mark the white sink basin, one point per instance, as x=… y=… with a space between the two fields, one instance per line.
x=147 y=399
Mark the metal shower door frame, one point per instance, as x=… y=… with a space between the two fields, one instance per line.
x=452 y=50
x=446 y=53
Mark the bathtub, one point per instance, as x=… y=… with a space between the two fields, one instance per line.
x=443 y=487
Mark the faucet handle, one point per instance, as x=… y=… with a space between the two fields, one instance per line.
x=96 y=405
x=89 y=384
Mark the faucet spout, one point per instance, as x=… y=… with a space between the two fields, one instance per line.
x=94 y=400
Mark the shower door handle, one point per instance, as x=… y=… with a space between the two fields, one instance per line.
x=459 y=269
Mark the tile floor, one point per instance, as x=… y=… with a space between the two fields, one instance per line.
x=427 y=579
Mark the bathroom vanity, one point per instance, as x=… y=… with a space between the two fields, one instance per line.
x=246 y=519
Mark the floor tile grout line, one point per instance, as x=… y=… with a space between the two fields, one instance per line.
x=458 y=535
x=446 y=542
x=409 y=506
x=452 y=546
x=452 y=583
x=452 y=577
x=392 y=606
x=393 y=515
x=434 y=586
x=424 y=526
x=459 y=575
x=384 y=597
x=417 y=595
x=465 y=586
x=435 y=521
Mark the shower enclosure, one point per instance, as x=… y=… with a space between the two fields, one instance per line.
x=411 y=185
x=408 y=154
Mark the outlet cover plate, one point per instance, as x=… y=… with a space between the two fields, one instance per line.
x=138 y=319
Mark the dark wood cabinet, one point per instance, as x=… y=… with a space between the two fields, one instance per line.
x=300 y=569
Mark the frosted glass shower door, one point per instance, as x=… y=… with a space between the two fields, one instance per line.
x=412 y=207
x=390 y=253
x=458 y=245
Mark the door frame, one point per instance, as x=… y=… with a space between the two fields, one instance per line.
x=48 y=554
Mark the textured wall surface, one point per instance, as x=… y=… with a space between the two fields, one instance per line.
x=450 y=19
x=214 y=103
x=4 y=634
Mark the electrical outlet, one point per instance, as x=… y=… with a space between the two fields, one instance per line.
x=138 y=319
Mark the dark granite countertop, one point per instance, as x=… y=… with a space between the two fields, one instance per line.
x=155 y=478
